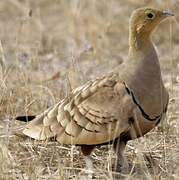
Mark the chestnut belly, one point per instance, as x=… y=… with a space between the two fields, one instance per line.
x=139 y=128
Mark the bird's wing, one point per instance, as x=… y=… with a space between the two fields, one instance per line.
x=95 y=113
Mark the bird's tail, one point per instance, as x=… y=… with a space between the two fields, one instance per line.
x=18 y=131
x=25 y=118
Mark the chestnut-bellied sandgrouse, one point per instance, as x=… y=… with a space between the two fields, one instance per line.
x=118 y=107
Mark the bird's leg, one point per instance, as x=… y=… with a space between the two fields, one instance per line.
x=86 y=150
x=89 y=163
x=121 y=164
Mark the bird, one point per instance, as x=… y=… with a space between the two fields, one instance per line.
x=115 y=108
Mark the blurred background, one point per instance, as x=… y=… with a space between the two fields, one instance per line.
x=48 y=48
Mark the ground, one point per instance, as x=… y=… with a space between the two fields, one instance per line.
x=48 y=48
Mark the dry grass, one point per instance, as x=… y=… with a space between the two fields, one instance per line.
x=47 y=48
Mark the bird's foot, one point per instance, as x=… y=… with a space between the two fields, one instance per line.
x=89 y=166
x=121 y=167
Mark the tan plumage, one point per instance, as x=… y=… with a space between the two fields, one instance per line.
x=118 y=107
x=91 y=115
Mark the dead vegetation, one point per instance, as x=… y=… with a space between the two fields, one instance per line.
x=49 y=47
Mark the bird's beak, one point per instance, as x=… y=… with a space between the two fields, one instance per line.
x=167 y=14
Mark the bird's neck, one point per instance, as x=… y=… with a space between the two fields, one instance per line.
x=139 y=41
x=143 y=59
x=142 y=50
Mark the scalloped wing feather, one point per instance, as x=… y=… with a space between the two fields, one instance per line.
x=95 y=113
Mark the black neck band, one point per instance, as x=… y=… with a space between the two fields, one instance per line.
x=144 y=114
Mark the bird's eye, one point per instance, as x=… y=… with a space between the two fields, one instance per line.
x=150 y=15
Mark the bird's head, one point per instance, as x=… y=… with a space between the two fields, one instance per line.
x=144 y=20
